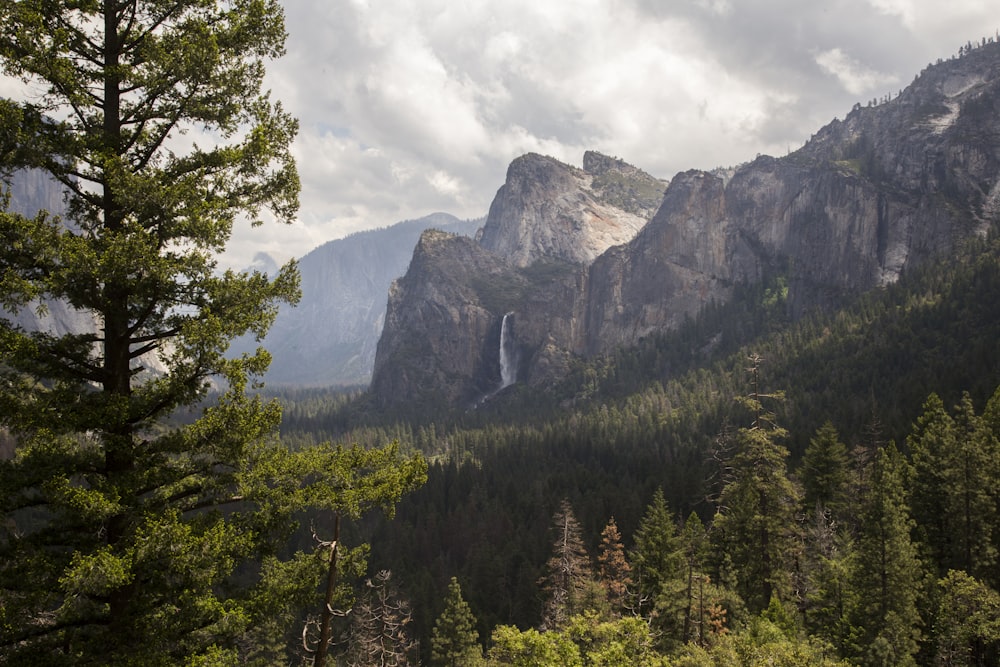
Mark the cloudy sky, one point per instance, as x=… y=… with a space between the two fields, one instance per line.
x=413 y=106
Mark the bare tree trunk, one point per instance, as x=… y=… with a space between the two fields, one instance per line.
x=326 y=617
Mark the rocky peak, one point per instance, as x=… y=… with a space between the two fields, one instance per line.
x=619 y=184
x=551 y=210
x=892 y=185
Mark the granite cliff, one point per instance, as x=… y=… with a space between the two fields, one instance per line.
x=550 y=210
x=32 y=191
x=329 y=338
x=891 y=185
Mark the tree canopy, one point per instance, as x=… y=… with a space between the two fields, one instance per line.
x=147 y=503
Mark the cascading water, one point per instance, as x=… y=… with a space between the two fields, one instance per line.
x=508 y=364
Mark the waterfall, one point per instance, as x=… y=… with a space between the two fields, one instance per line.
x=508 y=364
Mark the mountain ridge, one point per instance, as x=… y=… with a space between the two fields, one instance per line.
x=330 y=337
x=889 y=187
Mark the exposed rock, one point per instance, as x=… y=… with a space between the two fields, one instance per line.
x=548 y=209
x=870 y=196
x=330 y=337
x=448 y=326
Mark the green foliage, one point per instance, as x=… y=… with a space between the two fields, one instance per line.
x=762 y=644
x=956 y=464
x=887 y=575
x=755 y=525
x=967 y=627
x=825 y=579
x=824 y=472
x=455 y=641
x=145 y=521
x=531 y=648
x=623 y=641
x=658 y=559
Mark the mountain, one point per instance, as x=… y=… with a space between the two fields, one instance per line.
x=32 y=191
x=548 y=209
x=891 y=186
x=547 y=223
x=329 y=338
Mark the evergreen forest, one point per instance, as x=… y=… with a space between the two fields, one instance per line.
x=750 y=489
x=747 y=490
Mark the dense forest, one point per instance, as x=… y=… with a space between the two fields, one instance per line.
x=746 y=490
x=732 y=489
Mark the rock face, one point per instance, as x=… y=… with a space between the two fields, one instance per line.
x=329 y=338
x=888 y=187
x=547 y=224
x=32 y=191
x=548 y=209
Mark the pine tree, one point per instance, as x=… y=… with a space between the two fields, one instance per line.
x=694 y=541
x=967 y=626
x=955 y=481
x=755 y=525
x=824 y=473
x=614 y=570
x=142 y=518
x=455 y=640
x=658 y=570
x=569 y=579
x=887 y=574
x=824 y=579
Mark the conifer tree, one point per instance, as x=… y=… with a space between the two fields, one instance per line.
x=967 y=626
x=657 y=557
x=140 y=527
x=824 y=578
x=694 y=540
x=755 y=525
x=956 y=464
x=455 y=640
x=614 y=570
x=932 y=439
x=569 y=579
x=887 y=574
x=824 y=472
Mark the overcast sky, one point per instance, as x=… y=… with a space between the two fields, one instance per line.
x=413 y=106
x=408 y=107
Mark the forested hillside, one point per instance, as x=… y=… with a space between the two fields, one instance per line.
x=876 y=410
x=752 y=483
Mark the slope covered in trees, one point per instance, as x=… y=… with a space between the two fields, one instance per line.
x=663 y=418
x=136 y=529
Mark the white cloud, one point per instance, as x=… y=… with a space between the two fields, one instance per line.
x=854 y=76
x=413 y=106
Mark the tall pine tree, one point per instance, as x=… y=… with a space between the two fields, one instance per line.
x=824 y=473
x=138 y=529
x=455 y=641
x=956 y=473
x=887 y=574
x=658 y=560
x=755 y=525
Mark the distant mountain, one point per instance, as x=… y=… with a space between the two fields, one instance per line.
x=551 y=210
x=889 y=187
x=32 y=191
x=330 y=337
x=546 y=225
